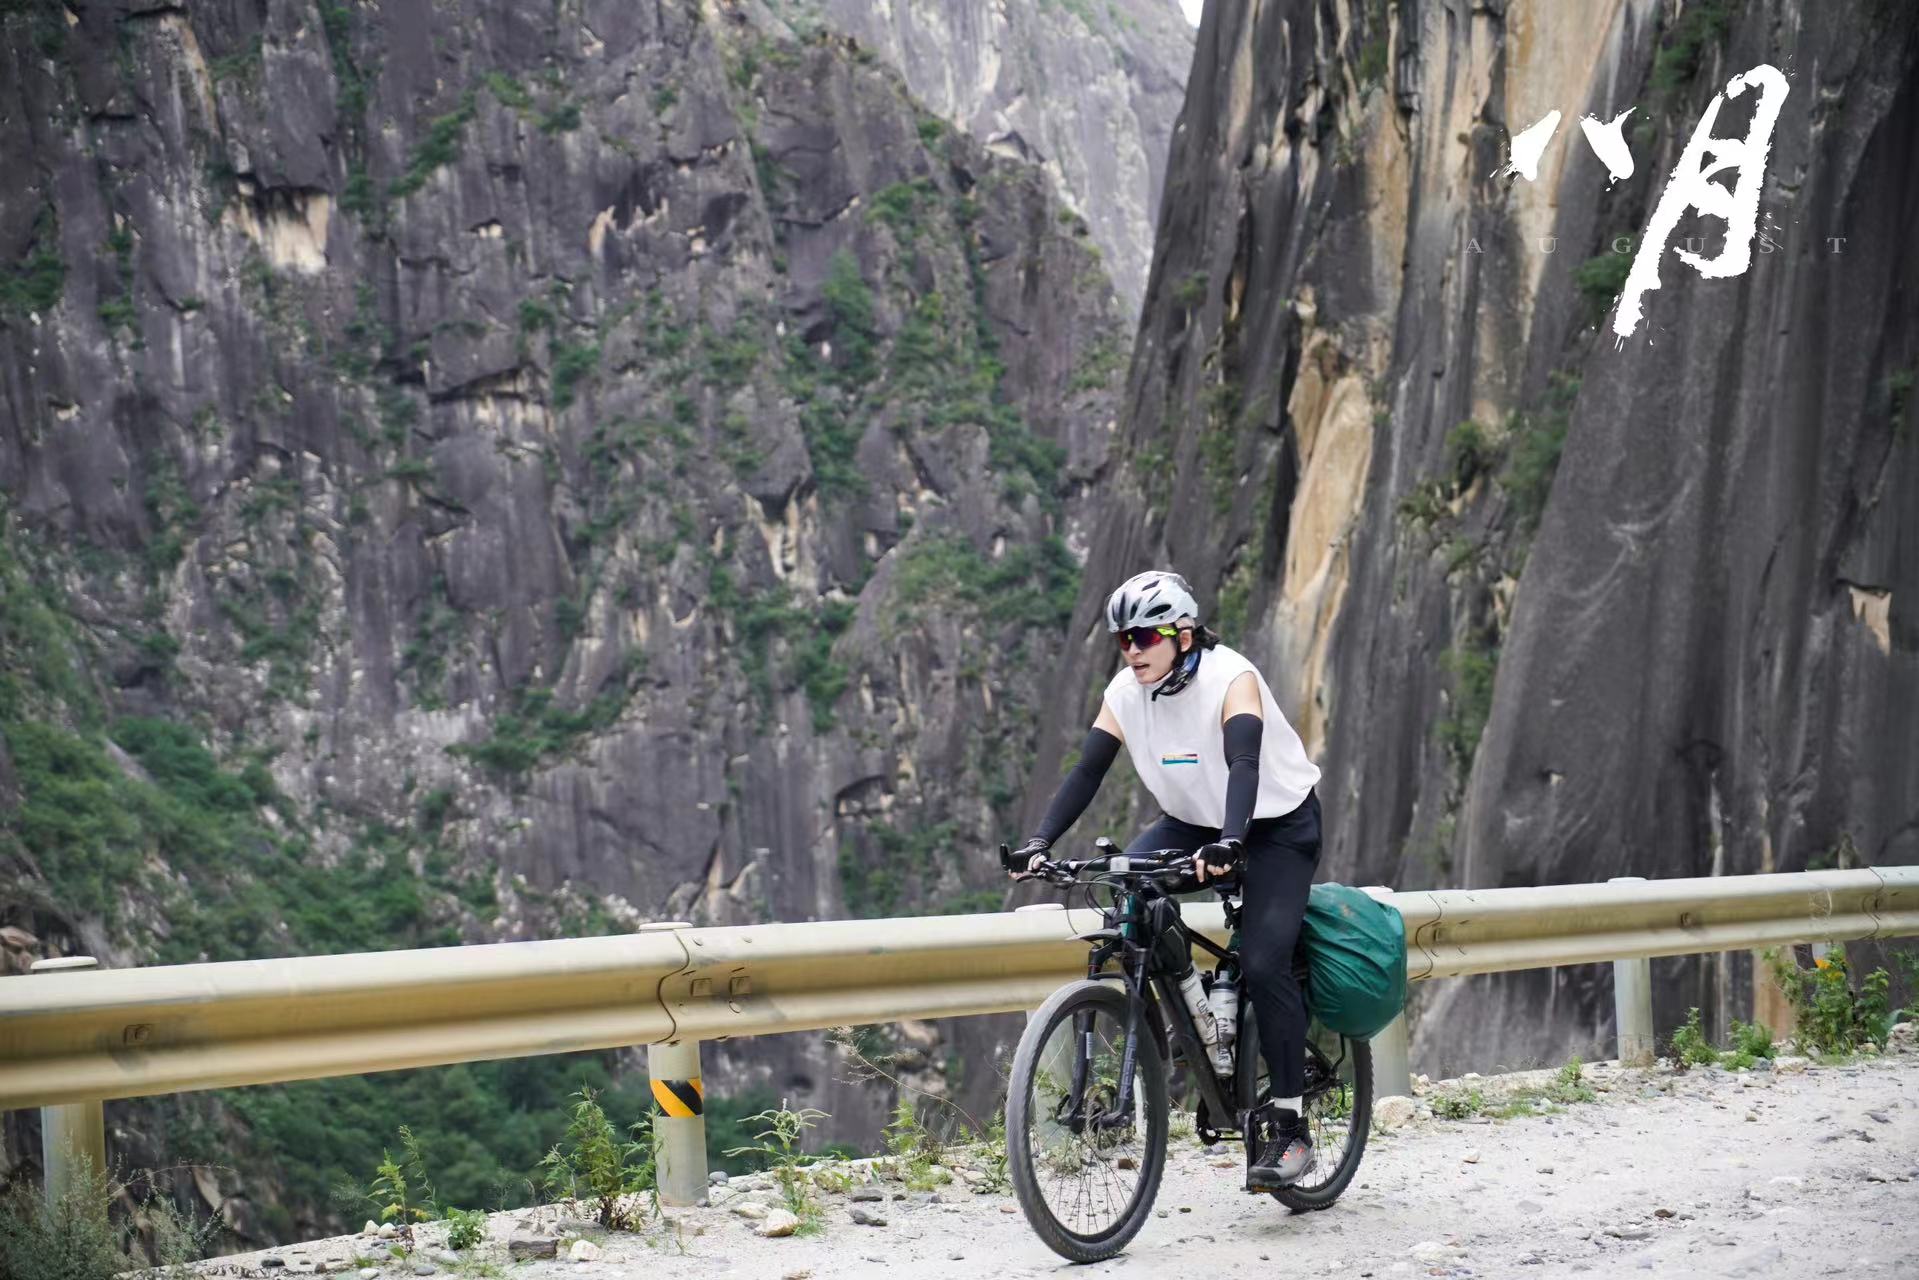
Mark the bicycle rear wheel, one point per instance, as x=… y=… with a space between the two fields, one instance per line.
x=1338 y=1109
x=1085 y=1170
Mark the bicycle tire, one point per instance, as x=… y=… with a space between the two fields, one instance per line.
x=1151 y=1072
x=1359 y=1119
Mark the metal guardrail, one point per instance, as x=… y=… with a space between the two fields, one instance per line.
x=71 y=1038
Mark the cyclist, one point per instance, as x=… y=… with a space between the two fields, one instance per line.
x=1231 y=776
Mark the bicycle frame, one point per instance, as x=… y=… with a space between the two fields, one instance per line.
x=1148 y=994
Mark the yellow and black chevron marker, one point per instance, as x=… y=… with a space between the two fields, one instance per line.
x=681 y=1098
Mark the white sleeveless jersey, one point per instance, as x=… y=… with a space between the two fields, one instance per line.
x=1179 y=749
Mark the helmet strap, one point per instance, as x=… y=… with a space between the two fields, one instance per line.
x=1182 y=673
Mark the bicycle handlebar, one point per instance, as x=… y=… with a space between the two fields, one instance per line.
x=1151 y=864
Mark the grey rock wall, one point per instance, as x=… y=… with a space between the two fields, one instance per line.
x=1685 y=649
x=646 y=441
x=1090 y=90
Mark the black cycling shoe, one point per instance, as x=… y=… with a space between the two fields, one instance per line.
x=1284 y=1158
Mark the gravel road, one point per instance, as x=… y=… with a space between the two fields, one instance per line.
x=1706 y=1173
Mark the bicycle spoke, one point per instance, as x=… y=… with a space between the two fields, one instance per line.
x=1080 y=1174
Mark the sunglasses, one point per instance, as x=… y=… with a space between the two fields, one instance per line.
x=1143 y=637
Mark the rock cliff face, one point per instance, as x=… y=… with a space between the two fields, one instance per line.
x=1547 y=607
x=1089 y=89
x=472 y=474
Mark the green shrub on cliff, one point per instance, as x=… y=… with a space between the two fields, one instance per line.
x=35 y=283
x=74 y=1236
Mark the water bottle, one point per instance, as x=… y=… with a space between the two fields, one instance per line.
x=1224 y=999
x=1195 y=996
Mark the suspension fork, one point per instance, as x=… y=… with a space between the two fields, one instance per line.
x=1073 y=1107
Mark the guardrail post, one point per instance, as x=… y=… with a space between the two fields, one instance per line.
x=75 y=1130
x=1632 y=1003
x=1392 y=1056
x=1392 y=1068
x=680 y=1128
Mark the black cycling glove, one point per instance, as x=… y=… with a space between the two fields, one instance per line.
x=1221 y=858
x=1018 y=860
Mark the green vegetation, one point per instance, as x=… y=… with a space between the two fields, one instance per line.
x=1751 y=1041
x=763 y=618
x=564 y=118
x=1600 y=280
x=481 y=1127
x=400 y=1188
x=538 y=727
x=243 y=65
x=1375 y=48
x=1032 y=584
x=732 y=356
x=850 y=303
x=260 y=887
x=777 y=1148
x=336 y=20
x=508 y=91
x=1472 y=669
x=1426 y=505
x=1832 y=1016
x=75 y=1238
x=1469 y=452
x=591 y=1164
x=916 y=1148
x=465 y=1228
x=1236 y=593
x=117 y=311
x=1219 y=442
x=1191 y=291
x=1098 y=367
x=732 y=1120
x=35 y=283
x=1534 y=442
x=903 y=205
x=173 y=513
x=1524 y=464
x=412 y=471
x=1701 y=26
x=573 y=363
x=1567 y=1087
x=877 y=887
x=1898 y=396
x=1451 y=1104
x=438 y=147
x=1691 y=1048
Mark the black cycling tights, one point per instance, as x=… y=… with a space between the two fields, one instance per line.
x=1281 y=856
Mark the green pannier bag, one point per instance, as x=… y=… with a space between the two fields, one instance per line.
x=1356 y=955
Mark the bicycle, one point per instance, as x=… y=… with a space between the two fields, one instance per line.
x=1092 y=1105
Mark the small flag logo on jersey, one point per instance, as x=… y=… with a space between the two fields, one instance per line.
x=1184 y=757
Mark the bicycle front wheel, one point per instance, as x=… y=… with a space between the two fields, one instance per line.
x=1338 y=1109
x=1085 y=1165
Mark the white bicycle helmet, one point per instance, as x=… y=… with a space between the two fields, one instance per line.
x=1160 y=598
x=1156 y=598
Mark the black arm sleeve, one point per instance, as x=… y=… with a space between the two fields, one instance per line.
x=1077 y=789
x=1243 y=734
